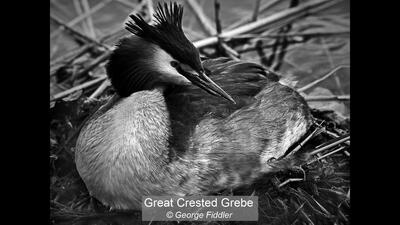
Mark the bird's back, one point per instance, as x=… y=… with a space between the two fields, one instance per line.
x=236 y=140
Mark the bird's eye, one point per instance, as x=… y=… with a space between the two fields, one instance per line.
x=174 y=64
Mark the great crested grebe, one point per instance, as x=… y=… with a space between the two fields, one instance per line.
x=164 y=135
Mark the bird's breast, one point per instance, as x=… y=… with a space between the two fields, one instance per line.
x=124 y=150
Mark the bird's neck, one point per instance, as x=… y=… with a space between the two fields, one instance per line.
x=137 y=65
x=146 y=121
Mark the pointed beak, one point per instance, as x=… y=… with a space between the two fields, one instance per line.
x=201 y=80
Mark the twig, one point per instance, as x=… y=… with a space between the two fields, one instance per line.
x=54 y=48
x=255 y=10
x=60 y=211
x=312 y=84
x=289 y=180
x=343 y=216
x=228 y=50
x=303 y=213
x=78 y=37
x=218 y=24
x=71 y=55
x=268 y=35
x=68 y=12
x=253 y=47
x=307 y=198
x=208 y=27
x=282 y=18
x=99 y=90
x=129 y=4
x=117 y=32
x=81 y=17
x=120 y=30
x=317 y=131
x=263 y=8
x=79 y=11
x=332 y=191
x=103 y=57
x=335 y=136
x=77 y=88
x=326 y=155
x=337 y=142
x=328 y=98
x=320 y=206
x=77 y=34
x=89 y=21
x=298 y=208
x=200 y=15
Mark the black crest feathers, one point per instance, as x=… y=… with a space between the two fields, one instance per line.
x=166 y=18
x=167 y=33
x=129 y=68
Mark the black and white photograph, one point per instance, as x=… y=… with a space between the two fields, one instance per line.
x=199 y=112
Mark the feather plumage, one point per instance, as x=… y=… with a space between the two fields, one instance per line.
x=173 y=139
x=167 y=33
x=183 y=141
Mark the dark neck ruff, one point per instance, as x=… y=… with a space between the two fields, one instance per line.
x=127 y=68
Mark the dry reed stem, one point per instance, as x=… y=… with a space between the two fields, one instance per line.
x=240 y=30
x=268 y=35
x=306 y=197
x=78 y=34
x=326 y=155
x=130 y=4
x=136 y=9
x=332 y=191
x=303 y=213
x=81 y=17
x=71 y=55
x=287 y=16
x=68 y=12
x=319 y=80
x=317 y=131
x=89 y=21
x=99 y=90
x=320 y=206
x=228 y=50
x=335 y=136
x=93 y=64
x=328 y=98
x=77 y=88
x=79 y=11
x=245 y=20
x=337 y=142
x=289 y=181
x=206 y=23
x=256 y=9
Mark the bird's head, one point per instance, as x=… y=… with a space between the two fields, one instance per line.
x=158 y=54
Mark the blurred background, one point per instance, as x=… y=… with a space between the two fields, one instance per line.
x=302 y=49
